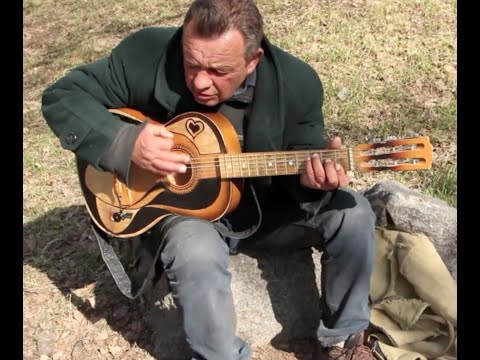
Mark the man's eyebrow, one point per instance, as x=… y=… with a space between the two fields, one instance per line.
x=190 y=59
x=221 y=68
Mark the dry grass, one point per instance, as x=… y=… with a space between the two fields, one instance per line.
x=388 y=67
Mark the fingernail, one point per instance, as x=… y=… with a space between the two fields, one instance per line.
x=328 y=160
x=167 y=133
x=338 y=166
x=183 y=169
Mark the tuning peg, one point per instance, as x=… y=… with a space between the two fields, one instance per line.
x=414 y=135
x=391 y=137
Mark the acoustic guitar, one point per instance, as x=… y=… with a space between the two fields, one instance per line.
x=212 y=185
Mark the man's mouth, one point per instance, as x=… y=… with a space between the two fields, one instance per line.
x=203 y=96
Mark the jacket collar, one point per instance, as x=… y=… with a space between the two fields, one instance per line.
x=170 y=88
x=266 y=123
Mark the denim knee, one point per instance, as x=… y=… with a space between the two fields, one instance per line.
x=362 y=212
x=193 y=247
x=357 y=225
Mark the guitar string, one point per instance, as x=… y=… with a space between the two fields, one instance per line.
x=232 y=173
x=241 y=161
x=233 y=160
x=282 y=156
x=200 y=160
x=228 y=165
x=269 y=169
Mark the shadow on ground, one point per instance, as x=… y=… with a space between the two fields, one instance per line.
x=61 y=245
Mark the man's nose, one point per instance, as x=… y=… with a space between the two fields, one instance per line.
x=202 y=80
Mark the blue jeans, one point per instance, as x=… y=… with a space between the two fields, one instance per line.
x=196 y=259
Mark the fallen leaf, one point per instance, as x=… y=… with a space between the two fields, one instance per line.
x=343 y=94
x=91 y=300
x=77 y=315
x=115 y=350
x=102 y=336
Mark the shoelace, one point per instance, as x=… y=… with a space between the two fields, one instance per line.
x=359 y=352
x=362 y=352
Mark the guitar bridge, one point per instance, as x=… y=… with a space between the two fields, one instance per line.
x=119 y=216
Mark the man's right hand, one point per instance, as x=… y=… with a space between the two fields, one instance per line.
x=152 y=151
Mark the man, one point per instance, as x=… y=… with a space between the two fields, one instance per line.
x=274 y=101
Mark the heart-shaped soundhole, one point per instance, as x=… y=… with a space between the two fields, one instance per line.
x=194 y=127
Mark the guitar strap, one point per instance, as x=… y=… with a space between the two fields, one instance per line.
x=236 y=112
x=225 y=229
x=116 y=268
x=110 y=258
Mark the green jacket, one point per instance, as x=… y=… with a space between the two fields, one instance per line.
x=145 y=72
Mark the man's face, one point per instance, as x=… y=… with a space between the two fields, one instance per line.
x=215 y=68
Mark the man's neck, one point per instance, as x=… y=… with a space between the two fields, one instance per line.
x=250 y=80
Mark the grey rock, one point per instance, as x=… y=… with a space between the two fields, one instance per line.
x=398 y=207
x=276 y=295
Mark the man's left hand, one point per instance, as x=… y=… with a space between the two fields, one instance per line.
x=327 y=176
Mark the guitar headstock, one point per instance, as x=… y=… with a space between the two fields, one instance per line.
x=394 y=155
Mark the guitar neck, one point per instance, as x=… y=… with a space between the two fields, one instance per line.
x=247 y=165
x=392 y=155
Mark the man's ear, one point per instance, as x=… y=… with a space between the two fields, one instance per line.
x=252 y=64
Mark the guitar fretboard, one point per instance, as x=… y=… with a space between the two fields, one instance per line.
x=274 y=163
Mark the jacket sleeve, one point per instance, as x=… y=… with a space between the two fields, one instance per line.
x=76 y=107
x=304 y=128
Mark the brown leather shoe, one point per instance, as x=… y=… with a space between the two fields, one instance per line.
x=354 y=349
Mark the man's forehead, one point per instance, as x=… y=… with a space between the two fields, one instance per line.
x=221 y=50
x=213 y=61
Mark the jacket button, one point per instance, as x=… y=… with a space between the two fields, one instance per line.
x=71 y=138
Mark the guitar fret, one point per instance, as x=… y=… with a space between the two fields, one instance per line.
x=240 y=166
x=265 y=161
x=275 y=163
x=291 y=163
x=219 y=159
x=223 y=159
x=248 y=165
x=225 y=166
x=272 y=162
x=234 y=166
x=256 y=164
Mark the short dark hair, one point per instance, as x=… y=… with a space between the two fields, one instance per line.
x=214 y=17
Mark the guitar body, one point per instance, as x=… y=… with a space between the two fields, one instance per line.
x=129 y=209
